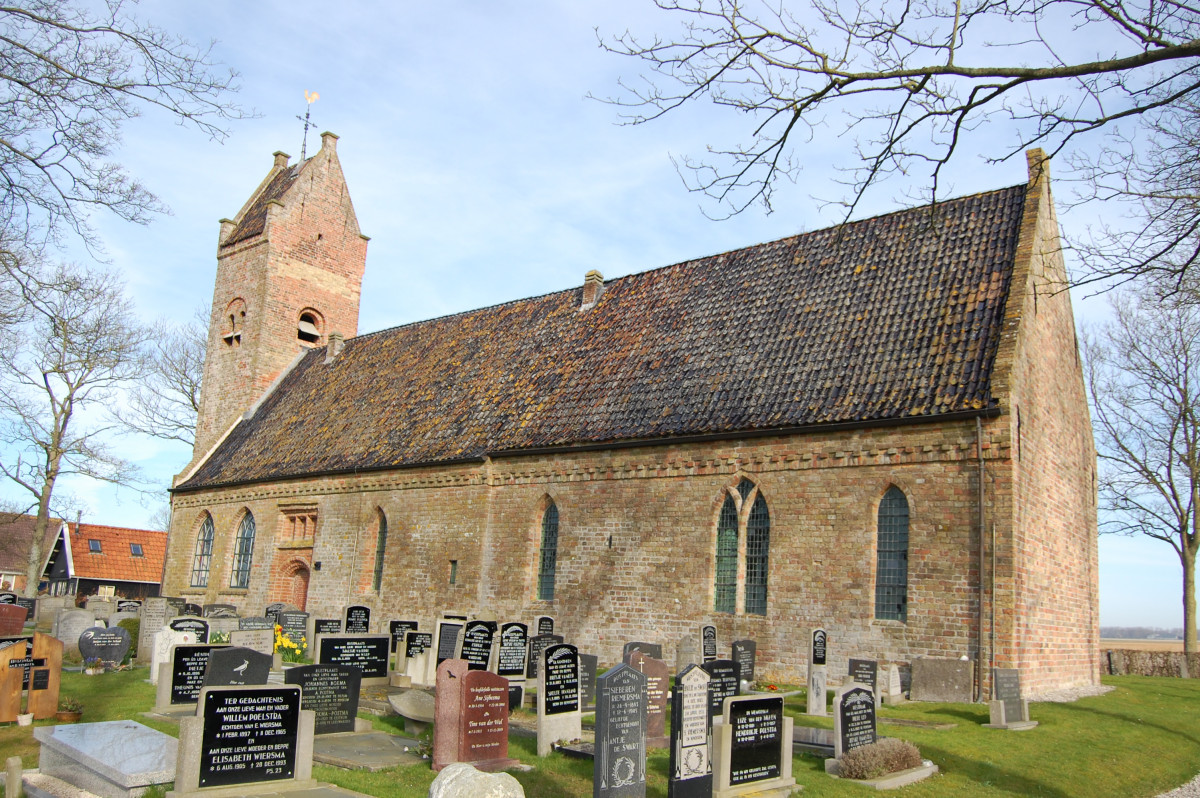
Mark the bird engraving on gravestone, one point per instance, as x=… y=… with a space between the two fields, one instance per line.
x=744 y=652
x=619 y=768
x=331 y=692
x=250 y=735
x=483 y=735
x=108 y=645
x=237 y=666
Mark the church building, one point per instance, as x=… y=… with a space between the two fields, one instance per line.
x=879 y=428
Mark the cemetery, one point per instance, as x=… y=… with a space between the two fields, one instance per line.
x=197 y=701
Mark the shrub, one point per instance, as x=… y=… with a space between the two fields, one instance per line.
x=68 y=704
x=134 y=627
x=879 y=759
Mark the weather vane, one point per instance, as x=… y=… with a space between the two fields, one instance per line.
x=311 y=97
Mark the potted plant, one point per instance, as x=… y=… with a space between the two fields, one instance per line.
x=69 y=710
x=93 y=665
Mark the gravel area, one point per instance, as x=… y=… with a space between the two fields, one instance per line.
x=1189 y=790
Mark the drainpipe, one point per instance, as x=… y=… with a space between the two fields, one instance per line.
x=982 y=527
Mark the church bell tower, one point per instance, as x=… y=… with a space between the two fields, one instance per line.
x=289 y=273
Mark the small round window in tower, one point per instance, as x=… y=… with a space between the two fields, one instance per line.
x=235 y=319
x=308 y=330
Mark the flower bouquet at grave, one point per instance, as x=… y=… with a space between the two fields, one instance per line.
x=286 y=647
x=69 y=709
x=93 y=665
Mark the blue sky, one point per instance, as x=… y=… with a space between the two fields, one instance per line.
x=483 y=173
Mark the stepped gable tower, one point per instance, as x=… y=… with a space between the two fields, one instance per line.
x=289 y=274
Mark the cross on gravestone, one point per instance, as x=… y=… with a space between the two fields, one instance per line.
x=108 y=645
x=649 y=649
x=368 y=653
x=853 y=718
x=476 y=645
x=619 y=766
x=752 y=747
x=471 y=711
x=744 y=652
x=358 y=620
x=236 y=666
x=194 y=610
x=689 y=774
x=724 y=683
x=657 y=682
x=331 y=692
x=708 y=643
x=558 y=712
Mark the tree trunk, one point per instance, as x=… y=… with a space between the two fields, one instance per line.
x=33 y=572
x=1188 y=558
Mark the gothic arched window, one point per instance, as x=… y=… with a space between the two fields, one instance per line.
x=727 y=558
x=380 y=547
x=758 y=547
x=243 y=552
x=891 y=563
x=755 y=528
x=548 y=562
x=202 y=559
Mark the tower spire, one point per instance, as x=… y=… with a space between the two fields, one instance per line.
x=310 y=97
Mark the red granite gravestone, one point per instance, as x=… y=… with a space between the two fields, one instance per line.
x=483 y=734
x=12 y=619
x=657 y=680
x=447 y=712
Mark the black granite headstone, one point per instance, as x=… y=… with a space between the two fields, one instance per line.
x=649 y=649
x=255 y=622
x=197 y=626
x=545 y=625
x=397 y=629
x=477 y=644
x=191 y=609
x=272 y=610
x=188 y=665
x=724 y=683
x=690 y=772
x=1006 y=683
x=416 y=642
x=708 y=643
x=358 y=620
x=30 y=606
x=744 y=652
x=8 y=598
x=447 y=641
x=514 y=645
x=108 y=645
x=294 y=624
x=369 y=654
x=327 y=626
x=537 y=645
x=588 y=665
x=865 y=672
x=235 y=666
x=128 y=605
x=758 y=745
x=220 y=611
x=856 y=708
x=561 y=681
x=331 y=691
x=819 y=638
x=620 y=748
x=250 y=735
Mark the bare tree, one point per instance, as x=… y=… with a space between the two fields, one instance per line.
x=1143 y=375
x=71 y=73
x=165 y=402
x=908 y=84
x=77 y=346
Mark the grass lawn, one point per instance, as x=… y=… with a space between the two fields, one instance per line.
x=1141 y=739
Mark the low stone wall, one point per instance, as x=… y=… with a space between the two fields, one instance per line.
x=1132 y=662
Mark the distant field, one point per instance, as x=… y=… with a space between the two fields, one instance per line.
x=1142 y=645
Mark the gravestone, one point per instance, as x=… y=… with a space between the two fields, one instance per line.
x=619 y=766
x=558 y=715
x=708 y=643
x=649 y=649
x=358 y=620
x=45 y=673
x=162 y=643
x=48 y=608
x=588 y=665
x=545 y=625
x=31 y=608
x=116 y=618
x=942 y=679
x=112 y=758
x=182 y=677
x=71 y=624
x=108 y=645
x=12 y=619
x=368 y=653
x=198 y=627
x=129 y=605
x=222 y=625
x=818 y=677
x=418 y=647
x=744 y=652
x=273 y=609
x=397 y=629
x=220 y=611
x=331 y=692
x=153 y=617
x=471 y=708
x=255 y=622
x=446 y=643
x=724 y=683
x=246 y=736
x=690 y=772
x=853 y=718
x=236 y=666
x=1008 y=710
x=452 y=615
x=892 y=689
x=476 y=646
x=194 y=610
x=687 y=652
x=657 y=683
x=294 y=624
x=7 y=597
x=537 y=645
x=260 y=640
x=866 y=672
x=13 y=658
x=100 y=607
x=510 y=661
x=326 y=626
x=752 y=748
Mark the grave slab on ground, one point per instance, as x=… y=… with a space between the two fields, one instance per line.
x=113 y=759
x=371 y=751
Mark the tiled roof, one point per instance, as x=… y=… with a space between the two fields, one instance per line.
x=891 y=317
x=254 y=220
x=116 y=561
x=16 y=535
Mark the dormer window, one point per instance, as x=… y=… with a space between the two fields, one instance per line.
x=235 y=319
x=308 y=329
x=135 y=549
x=94 y=547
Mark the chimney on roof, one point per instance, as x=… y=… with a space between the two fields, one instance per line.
x=329 y=141
x=1039 y=165
x=281 y=159
x=593 y=287
x=334 y=347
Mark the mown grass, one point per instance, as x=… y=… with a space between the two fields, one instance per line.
x=1141 y=739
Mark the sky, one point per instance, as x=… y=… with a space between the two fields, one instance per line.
x=483 y=172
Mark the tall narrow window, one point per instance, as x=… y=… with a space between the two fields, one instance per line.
x=727 y=558
x=549 y=559
x=891 y=565
x=758 y=545
x=243 y=553
x=380 y=547
x=202 y=560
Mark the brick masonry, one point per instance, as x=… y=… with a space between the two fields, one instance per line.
x=637 y=525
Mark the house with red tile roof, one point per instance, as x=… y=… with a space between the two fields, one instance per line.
x=87 y=559
x=16 y=539
x=879 y=429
